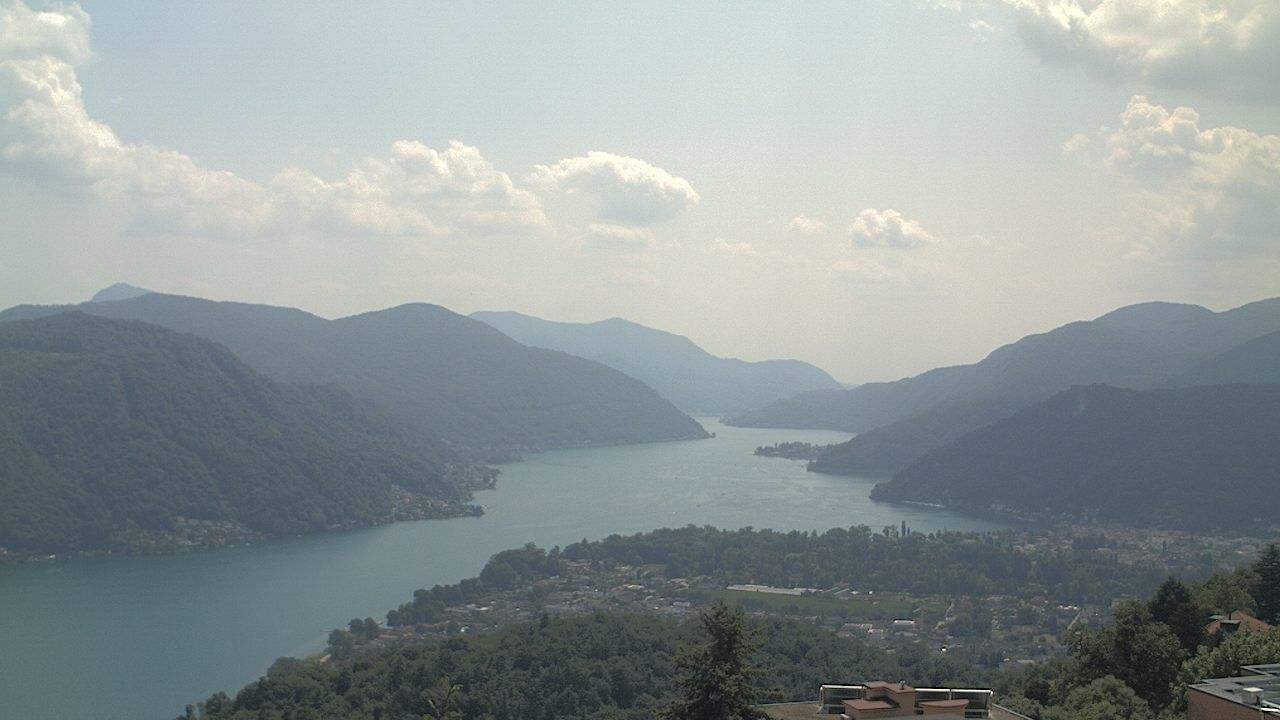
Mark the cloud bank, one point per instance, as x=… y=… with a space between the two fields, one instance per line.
x=48 y=135
x=1228 y=47
x=1196 y=189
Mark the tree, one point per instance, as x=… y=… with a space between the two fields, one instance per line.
x=441 y=700
x=1174 y=606
x=715 y=678
x=1103 y=699
x=1137 y=650
x=1268 y=592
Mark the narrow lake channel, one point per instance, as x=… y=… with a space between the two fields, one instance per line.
x=137 y=638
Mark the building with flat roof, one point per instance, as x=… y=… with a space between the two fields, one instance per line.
x=1252 y=695
x=897 y=700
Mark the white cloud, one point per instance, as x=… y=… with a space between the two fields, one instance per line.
x=1198 y=187
x=47 y=134
x=887 y=228
x=983 y=29
x=416 y=190
x=26 y=34
x=607 y=235
x=1226 y=47
x=629 y=191
x=806 y=225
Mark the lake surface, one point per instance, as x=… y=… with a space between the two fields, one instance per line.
x=140 y=637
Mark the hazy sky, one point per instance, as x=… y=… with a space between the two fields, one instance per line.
x=875 y=187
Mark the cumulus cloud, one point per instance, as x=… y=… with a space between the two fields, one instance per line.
x=1204 y=187
x=48 y=134
x=1227 y=47
x=887 y=228
x=26 y=34
x=806 y=225
x=629 y=191
x=416 y=190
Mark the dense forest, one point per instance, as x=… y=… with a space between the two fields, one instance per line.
x=1198 y=458
x=888 y=561
x=597 y=666
x=111 y=427
x=442 y=374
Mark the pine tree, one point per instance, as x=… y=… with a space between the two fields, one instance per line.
x=716 y=677
x=1267 y=596
x=1174 y=606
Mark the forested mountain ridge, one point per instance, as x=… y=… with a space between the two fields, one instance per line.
x=693 y=379
x=445 y=375
x=111 y=426
x=1256 y=361
x=1137 y=346
x=1199 y=458
x=1140 y=346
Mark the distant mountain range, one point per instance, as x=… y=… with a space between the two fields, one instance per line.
x=694 y=380
x=1140 y=346
x=442 y=374
x=111 y=427
x=1193 y=458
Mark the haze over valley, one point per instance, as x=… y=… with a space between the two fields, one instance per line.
x=526 y=361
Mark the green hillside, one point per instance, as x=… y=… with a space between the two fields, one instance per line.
x=1191 y=458
x=109 y=426
x=442 y=374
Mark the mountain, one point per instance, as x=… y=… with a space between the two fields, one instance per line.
x=1196 y=458
x=1139 y=346
x=887 y=449
x=1136 y=346
x=119 y=291
x=109 y=427
x=693 y=379
x=445 y=375
x=1256 y=361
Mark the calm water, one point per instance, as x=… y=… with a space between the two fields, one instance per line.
x=140 y=637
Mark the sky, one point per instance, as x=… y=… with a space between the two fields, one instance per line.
x=878 y=187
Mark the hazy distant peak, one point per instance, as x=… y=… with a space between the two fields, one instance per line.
x=1149 y=311
x=118 y=291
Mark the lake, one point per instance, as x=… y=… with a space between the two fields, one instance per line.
x=140 y=637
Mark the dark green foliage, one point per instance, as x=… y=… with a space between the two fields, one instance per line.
x=445 y=375
x=1172 y=457
x=1267 y=594
x=716 y=677
x=1174 y=606
x=108 y=426
x=1141 y=652
x=1106 y=698
x=695 y=380
x=589 y=666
